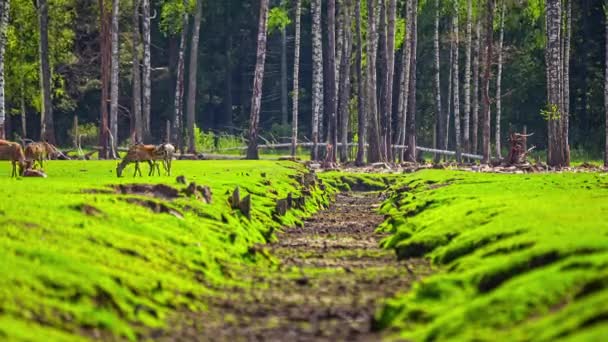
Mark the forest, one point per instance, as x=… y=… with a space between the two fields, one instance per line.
x=303 y=170
x=138 y=70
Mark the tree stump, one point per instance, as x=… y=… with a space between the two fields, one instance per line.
x=518 y=151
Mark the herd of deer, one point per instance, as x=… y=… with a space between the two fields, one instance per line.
x=24 y=159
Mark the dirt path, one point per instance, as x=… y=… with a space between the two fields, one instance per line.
x=330 y=282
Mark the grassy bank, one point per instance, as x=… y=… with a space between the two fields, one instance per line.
x=519 y=257
x=81 y=257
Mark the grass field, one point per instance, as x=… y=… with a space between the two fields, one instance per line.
x=518 y=257
x=79 y=259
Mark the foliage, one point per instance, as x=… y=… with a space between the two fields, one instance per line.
x=278 y=19
x=77 y=256
x=519 y=258
x=88 y=134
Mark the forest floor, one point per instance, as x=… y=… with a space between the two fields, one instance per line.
x=331 y=278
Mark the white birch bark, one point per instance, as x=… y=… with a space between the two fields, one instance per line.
x=4 y=16
x=178 y=104
x=146 y=70
x=296 y=79
x=115 y=69
x=455 y=87
x=317 y=75
x=192 y=75
x=467 y=77
x=499 y=80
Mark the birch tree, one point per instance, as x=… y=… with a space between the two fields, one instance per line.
x=390 y=72
x=104 y=47
x=455 y=87
x=410 y=153
x=361 y=98
x=331 y=74
x=296 y=79
x=317 y=75
x=499 y=79
x=486 y=81
x=373 y=154
x=146 y=70
x=467 y=77
x=136 y=117
x=114 y=79
x=258 y=78
x=476 y=74
x=437 y=81
x=405 y=78
x=47 y=124
x=343 y=105
x=566 y=75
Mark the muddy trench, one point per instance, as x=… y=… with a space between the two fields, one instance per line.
x=331 y=279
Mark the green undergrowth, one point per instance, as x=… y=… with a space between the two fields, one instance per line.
x=80 y=259
x=518 y=257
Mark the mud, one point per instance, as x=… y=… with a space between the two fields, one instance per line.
x=331 y=279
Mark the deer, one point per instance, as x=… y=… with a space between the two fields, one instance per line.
x=39 y=152
x=136 y=154
x=14 y=152
x=165 y=153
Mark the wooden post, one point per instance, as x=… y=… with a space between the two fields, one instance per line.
x=76 y=132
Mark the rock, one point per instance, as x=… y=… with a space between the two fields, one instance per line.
x=245 y=206
x=235 y=199
x=205 y=192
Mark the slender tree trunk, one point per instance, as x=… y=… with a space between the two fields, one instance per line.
x=382 y=62
x=390 y=68
x=178 y=104
x=467 y=78
x=147 y=70
x=361 y=98
x=440 y=123
x=475 y=113
x=448 y=107
x=317 y=75
x=566 y=87
x=410 y=153
x=4 y=16
x=345 y=79
x=553 y=55
x=606 y=87
x=192 y=75
x=331 y=74
x=105 y=47
x=114 y=76
x=258 y=78
x=499 y=80
x=486 y=81
x=296 y=79
x=47 y=121
x=373 y=154
x=405 y=78
x=284 y=101
x=23 y=111
x=456 y=80
x=137 y=135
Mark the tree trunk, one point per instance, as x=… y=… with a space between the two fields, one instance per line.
x=410 y=153
x=105 y=47
x=258 y=78
x=284 y=103
x=383 y=70
x=147 y=70
x=467 y=78
x=4 y=13
x=448 y=107
x=499 y=80
x=606 y=87
x=361 y=96
x=317 y=75
x=390 y=73
x=47 y=122
x=178 y=104
x=566 y=87
x=137 y=134
x=296 y=79
x=486 y=81
x=192 y=75
x=23 y=112
x=331 y=74
x=455 y=87
x=405 y=78
x=114 y=79
x=556 y=149
x=475 y=114
x=439 y=122
x=373 y=154
x=345 y=79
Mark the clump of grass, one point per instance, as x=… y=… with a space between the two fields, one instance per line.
x=76 y=257
x=518 y=257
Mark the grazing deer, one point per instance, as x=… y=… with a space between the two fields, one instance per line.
x=165 y=153
x=39 y=152
x=139 y=153
x=14 y=152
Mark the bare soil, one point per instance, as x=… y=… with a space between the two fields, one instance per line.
x=330 y=281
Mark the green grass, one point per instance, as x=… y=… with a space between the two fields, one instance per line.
x=123 y=269
x=518 y=257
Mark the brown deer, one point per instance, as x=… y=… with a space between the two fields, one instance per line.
x=41 y=151
x=136 y=154
x=14 y=152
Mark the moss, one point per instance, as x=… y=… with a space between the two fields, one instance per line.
x=78 y=255
x=520 y=258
